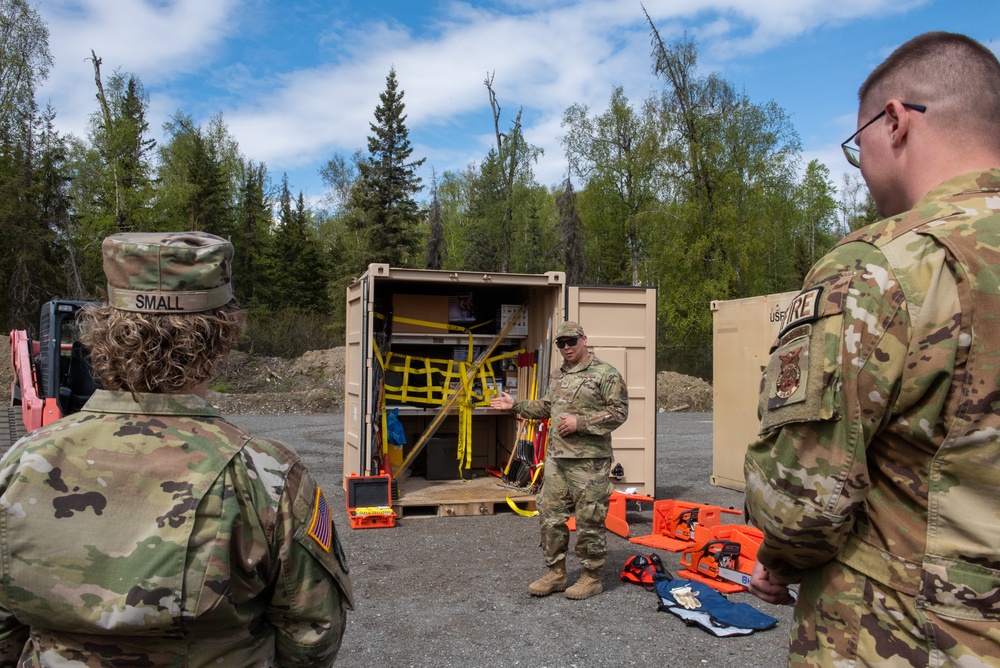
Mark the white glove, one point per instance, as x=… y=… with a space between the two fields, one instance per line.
x=686 y=597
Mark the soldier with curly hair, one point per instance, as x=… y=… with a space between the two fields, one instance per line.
x=146 y=529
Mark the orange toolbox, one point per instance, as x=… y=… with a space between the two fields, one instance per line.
x=678 y=524
x=369 y=502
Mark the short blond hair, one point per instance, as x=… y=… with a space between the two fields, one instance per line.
x=155 y=352
x=951 y=74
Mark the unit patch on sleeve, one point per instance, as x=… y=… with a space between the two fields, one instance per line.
x=803 y=308
x=788 y=372
x=321 y=525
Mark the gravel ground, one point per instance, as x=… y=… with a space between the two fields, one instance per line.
x=451 y=591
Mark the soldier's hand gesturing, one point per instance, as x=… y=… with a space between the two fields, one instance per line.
x=503 y=402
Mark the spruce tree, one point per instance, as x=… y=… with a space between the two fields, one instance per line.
x=252 y=233
x=33 y=205
x=435 y=242
x=387 y=181
x=298 y=271
x=571 y=235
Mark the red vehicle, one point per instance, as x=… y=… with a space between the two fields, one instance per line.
x=52 y=375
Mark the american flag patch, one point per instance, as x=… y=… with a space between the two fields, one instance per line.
x=321 y=526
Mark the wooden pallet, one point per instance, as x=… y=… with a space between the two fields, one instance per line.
x=484 y=495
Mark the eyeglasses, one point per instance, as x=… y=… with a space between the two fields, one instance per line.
x=562 y=343
x=853 y=153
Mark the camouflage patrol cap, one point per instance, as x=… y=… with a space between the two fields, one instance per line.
x=168 y=272
x=569 y=329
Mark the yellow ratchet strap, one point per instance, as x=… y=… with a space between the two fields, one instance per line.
x=513 y=506
x=522 y=513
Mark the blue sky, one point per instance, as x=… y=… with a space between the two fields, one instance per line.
x=298 y=81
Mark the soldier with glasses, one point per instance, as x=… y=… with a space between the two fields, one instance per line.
x=875 y=475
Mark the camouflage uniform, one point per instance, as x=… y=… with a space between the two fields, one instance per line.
x=158 y=534
x=875 y=477
x=148 y=531
x=578 y=465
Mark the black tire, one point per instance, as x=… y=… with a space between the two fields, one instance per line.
x=11 y=429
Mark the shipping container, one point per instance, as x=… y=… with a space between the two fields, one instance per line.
x=743 y=331
x=406 y=332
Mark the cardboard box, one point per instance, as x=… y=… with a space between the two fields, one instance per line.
x=428 y=308
x=505 y=313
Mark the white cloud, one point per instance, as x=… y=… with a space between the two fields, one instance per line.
x=545 y=55
x=155 y=40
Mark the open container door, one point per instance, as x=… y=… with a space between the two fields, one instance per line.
x=620 y=323
x=358 y=374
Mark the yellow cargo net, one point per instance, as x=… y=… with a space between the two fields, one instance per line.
x=427 y=380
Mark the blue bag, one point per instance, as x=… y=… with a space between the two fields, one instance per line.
x=394 y=428
x=717 y=614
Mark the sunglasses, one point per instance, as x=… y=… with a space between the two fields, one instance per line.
x=562 y=343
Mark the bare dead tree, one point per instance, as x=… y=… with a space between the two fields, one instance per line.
x=508 y=155
x=108 y=138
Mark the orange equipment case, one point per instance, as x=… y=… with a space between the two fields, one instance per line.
x=678 y=524
x=369 y=502
x=615 y=522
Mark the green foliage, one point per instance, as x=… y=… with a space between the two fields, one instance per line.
x=436 y=249
x=696 y=190
x=624 y=150
x=601 y=210
x=119 y=136
x=857 y=207
x=534 y=246
x=571 y=236
x=24 y=65
x=816 y=231
x=296 y=268
x=454 y=196
x=251 y=235
x=382 y=196
x=197 y=176
x=33 y=200
x=289 y=332
x=32 y=260
x=733 y=212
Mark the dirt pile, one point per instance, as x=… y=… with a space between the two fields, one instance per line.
x=314 y=383
x=676 y=392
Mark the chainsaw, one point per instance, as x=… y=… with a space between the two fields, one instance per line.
x=687 y=521
x=718 y=559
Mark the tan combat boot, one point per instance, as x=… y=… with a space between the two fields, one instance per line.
x=554 y=580
x=588 y=585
